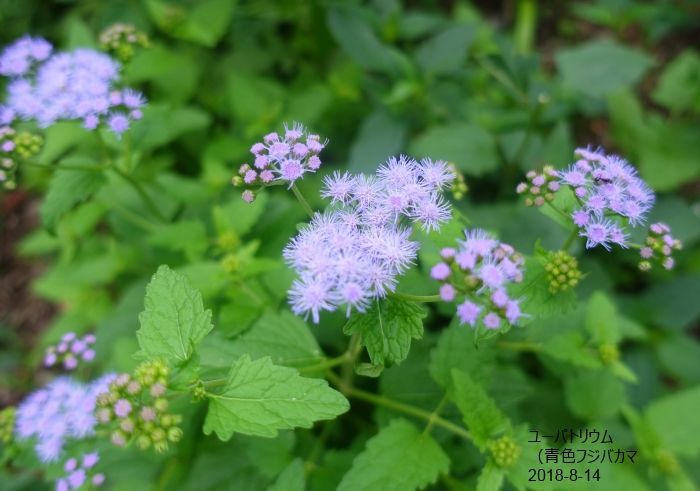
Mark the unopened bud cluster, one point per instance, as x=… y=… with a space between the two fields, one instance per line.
x=7 y=424
x=121 y=40
x=14 y=147
x=505 y=451
x=136 y=410
x=80 y=472
x=658 y=247
x=539 y=188
x=458 y=187
x=70 y=350
x=609 y=353
x=562 y=271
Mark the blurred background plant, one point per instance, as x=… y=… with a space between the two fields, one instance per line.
x=495 y=88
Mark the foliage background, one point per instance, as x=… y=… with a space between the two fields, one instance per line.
x=498 y=88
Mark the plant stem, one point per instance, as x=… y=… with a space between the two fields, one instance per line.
x=141 y=192
x=132 y=217
x=570 y=240
x=503 y=78
x=325 y=364
x=304 y=204
x=435 y=414
x=525 y=25
x=520 y=345
x=400 y=407
x=416 y=298
x=96 y=168
x=549 y=203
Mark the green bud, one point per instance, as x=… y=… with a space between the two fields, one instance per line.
x=505 y=451
x=562 y=271
x=228 y=241
x=175 y=435
x=143 y=442
x=231 y=263
x=161 y=404
x=608 y=353
x=158 y=435
x=7 y=424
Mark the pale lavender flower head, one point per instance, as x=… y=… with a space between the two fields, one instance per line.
x=20 y=57
x=61 y=410
x=606 y=186
x=70 y=350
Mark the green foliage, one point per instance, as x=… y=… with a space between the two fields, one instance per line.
x=398 y=458
x=174 y=320
x=387 y=328
x=259 y=398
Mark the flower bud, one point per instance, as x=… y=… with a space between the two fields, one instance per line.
x=505 y=451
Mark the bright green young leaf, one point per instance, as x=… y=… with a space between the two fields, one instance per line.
x=259 y=398
x=598 y=68
x=601 y=320
x=491 y=478
x=479 y=411
x=678 y=88
x=571 y=347
x=291 y=478
x=594 y=395
x=68 y=188
x=204 y=23
x=188 y=236
x=387 y=328
x=398 y=458
x=284 y=337
x=675 y=419
x=470 y=147
x=174 y=320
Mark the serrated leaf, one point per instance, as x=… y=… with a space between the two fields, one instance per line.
x=678 y=88
x=398 y=458
x=369 y=370
x=188 y=236
x=259 y=398
x=284 y=337
x=205 y=22
x=380 y=136
x=68 y=188
x=174 y=320
x=490 y=478
x=601 y=319
x=594 y=395
x=446 y=51
x=571 y=347
x=456 y=349
x=623 y=372
x=386 y=329
x=291 y=478
x=675 y=419
x=479 y=411
x=537 y=301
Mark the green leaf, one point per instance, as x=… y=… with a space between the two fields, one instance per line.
x=601 y=320
x=386 y=329
x=675 y=419
x=678 y=88
x=283 y=337
x=204 y=23
x=490 y=478
x=538 y=301
x=291 y=478
x=351 y=29
x=446 y=51
x=470 y=147
x=398 y=458
x=598 y=68
x=238 y=216
x=174 y=320
x=594 y=395
x=68 y=188
x=456 y=349
x=571 y=347
x=260 y=398
x=161 y=125
x=188 y=236
x=379 y=137
x=479 y=411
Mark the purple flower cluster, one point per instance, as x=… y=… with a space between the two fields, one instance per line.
x=70 y=350
x=283 y=157
x=606 y=186
x=479 y=271
x=659 y=246
x=80 y=472
x=61 y=410
x=70 y=85
x=19 y=58
x=353 y=252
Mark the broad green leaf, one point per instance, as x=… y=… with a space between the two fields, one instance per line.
x=678 y=88
x=176 y=73
x=161 y=125
x=252 y=98
x=291 y=478
x=594 y=395
x=598 y=68
x=387 y=328
x=352 y=30
x=284 y=337
x=490 y=478
x=238 y=216
x=675 y=419
x=479 y=411
x=380 y=136
x=623 y=372
x=259 y=398
x=456 y=349
x=679 y=355
x=446 y=51
x=601 y=320
x=68 y=188
x=398 y=458
x=563 y=205
x=537 y=300
x=470 y=147
x=668 y=157
x=204 y=23
x=59 y=138
x=174 y=320
x=188 y=236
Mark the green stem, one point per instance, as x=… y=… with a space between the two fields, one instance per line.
x=94 y=168
x=304 y=204
x=549 y=203
x=503 y=78
x=417 y=298
x=435 y=414
x=525 y=25
x=397 y=406
x=325 y=364
x=141 y=192
x=570 y=240
x=520 y=345
x=132 y=217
